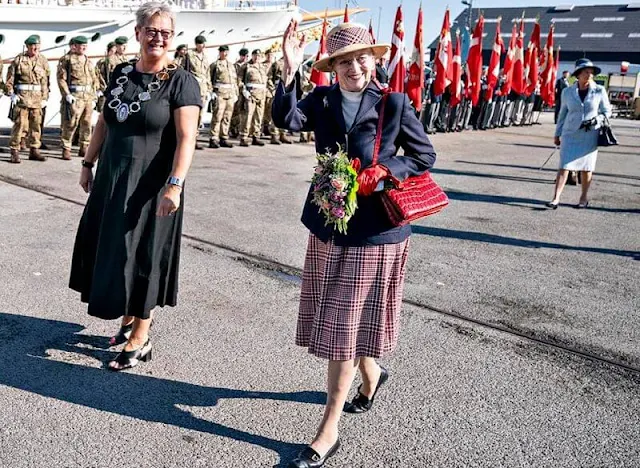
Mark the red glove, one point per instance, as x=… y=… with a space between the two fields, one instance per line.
x=369 y=178
x=355 y=163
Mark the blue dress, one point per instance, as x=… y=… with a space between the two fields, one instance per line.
x=579 y=148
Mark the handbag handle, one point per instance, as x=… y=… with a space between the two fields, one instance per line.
x=376 y=146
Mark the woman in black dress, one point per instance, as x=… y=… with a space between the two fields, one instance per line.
x=127 y=250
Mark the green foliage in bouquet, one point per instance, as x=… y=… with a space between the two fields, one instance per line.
x=334 y=189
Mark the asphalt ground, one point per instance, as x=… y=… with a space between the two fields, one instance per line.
x=502 y=296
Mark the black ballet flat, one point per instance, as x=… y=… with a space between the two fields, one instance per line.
x=309 y=458
x=129 y=359
x=122 y=336
x=553 y=206
x=362 y=404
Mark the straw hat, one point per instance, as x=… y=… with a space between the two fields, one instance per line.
x=345 y=39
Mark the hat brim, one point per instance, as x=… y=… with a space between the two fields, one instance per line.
x=324 y=64
x=596 y=70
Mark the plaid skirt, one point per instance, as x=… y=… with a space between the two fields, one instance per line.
x=350 y=299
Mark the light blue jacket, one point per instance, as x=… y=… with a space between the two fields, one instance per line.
x=573 y=111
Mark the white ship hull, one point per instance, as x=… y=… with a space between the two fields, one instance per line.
x=255 y=27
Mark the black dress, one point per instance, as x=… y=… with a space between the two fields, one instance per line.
x=125 y=258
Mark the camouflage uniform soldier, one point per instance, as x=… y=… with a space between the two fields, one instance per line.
x=180 y=55
x=269 y=59
x=27 y=87
x=104 y=68
x=78 y=82
x=254 y=88
x=238 y=109
x=278 y=135
x=224 y=96
x=121 y=49
x=197 y=63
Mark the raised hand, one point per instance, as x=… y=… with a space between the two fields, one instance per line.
x=293 y=45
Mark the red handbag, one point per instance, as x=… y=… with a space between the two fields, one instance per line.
x=415 y=197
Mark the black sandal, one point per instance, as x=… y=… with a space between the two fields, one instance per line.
x=122 y=336
x=360 y=402
x=129 y=359
x=309 y=458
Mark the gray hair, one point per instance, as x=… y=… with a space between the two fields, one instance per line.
x=150 y=9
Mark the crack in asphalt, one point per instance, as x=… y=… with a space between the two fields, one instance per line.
x=292 y=274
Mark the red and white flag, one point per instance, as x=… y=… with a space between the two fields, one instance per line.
x=474 y=62
x=547 y=66
x=456 y=91
x=397 y=69
x=507 y=69
x=532 y=58
x=317 y=77
x=494 y=62
x=415 y=82
x=444 y=58
x=518 y=83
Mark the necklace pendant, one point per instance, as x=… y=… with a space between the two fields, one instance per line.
x=117 y=91
x=122 y=113
x=144 y=96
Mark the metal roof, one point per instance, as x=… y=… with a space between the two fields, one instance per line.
x=594 y=28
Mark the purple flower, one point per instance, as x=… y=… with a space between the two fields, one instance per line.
x=338 y=212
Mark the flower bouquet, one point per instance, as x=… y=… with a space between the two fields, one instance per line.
x=334 y=189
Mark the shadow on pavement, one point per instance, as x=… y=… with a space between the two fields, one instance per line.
x=26 y=365
x=548 y=169
x=491 y=176
x=524 y=202
x=512 y=241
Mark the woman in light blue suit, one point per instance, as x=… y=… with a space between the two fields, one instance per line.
x=583 y=110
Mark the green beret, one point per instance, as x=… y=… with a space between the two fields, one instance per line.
x=80 y=39
x=110 y=45
x=120 y=40
x=256 y=51
x=244 y=51
x=33 y=39
x=201 y=39
x=223 y=48
x=181 y=46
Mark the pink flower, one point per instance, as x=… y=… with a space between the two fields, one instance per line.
x=338 y=212
x=338 y=184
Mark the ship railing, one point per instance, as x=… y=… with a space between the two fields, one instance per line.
x=182 y=4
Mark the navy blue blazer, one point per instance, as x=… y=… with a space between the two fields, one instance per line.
x=321 y=112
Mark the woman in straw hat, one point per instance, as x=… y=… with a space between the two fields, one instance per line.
x=352 y=283
x=584 y=107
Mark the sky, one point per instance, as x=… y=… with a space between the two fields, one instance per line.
x=432 y=11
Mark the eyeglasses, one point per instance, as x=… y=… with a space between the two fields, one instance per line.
x=346 y=62
x=151 y=33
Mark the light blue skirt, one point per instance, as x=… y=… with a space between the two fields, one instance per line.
x=579 y=151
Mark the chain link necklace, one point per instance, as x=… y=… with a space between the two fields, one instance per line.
x=123 y=109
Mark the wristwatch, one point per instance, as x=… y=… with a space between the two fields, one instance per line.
x=175 y=181
x=87 y=164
